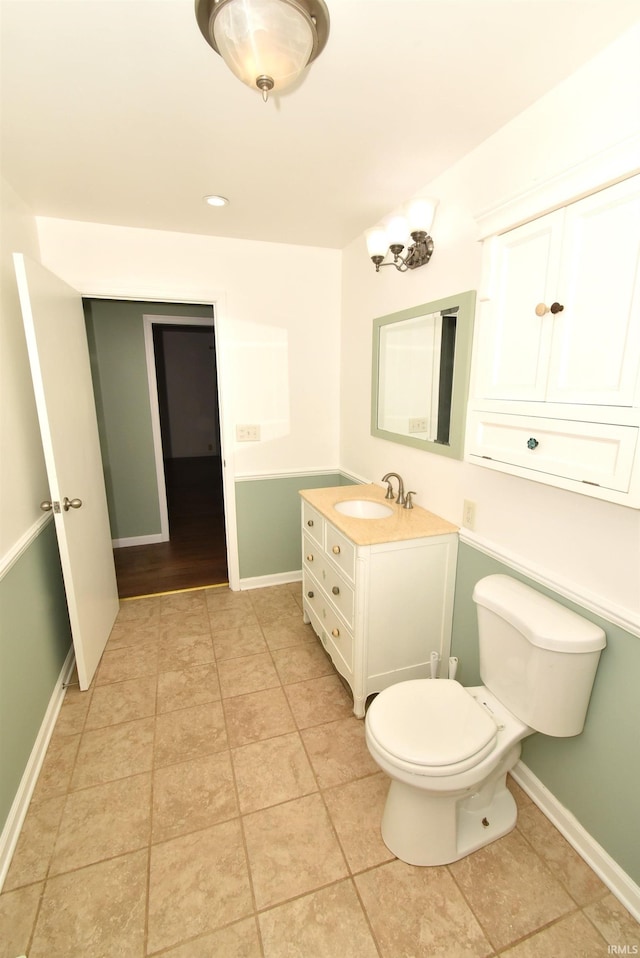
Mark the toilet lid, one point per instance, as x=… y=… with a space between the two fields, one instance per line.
x=430 y=722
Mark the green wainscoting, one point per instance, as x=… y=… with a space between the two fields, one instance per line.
x=36 y=639
x=595 y=775
x=268 y=521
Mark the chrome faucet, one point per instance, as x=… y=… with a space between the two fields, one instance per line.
x=394 y=475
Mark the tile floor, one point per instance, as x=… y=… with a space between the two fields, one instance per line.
x=212 y=795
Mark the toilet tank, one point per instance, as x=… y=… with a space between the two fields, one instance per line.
x=536 y=656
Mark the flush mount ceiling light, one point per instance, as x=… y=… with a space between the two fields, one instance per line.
x=215 y=200
x=416 y=223
x=265 y=43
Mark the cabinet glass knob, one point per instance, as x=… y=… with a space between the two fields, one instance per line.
x=336 y=590
x=336 y=550
x=532 y=443
x=310 y=595
x=335 y=633
x=309 y=558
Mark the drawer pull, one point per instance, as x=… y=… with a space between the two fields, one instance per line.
x=309 y=522
x=309 y=558
x=336 y=590
x=532 y=443
x=336 y=550
x=310 y=595
x=542 y=308
x=335 y=633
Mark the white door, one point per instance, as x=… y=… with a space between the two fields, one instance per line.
x=59 y=357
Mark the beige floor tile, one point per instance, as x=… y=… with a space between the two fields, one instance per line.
x=102 y=822
x=521 y=797
x=288 y=631
x=563 y=862
x=356 y=812
x=122 y=702
x=251 y=673
x=120 y=665
x=134 y=633
x=145 y=608
x=235 y=643
x=184 y=688
x=73 y=713
x=319 y=701
x=198 y=883
x=219 y=599
x=510 y=889
x=571 y=937
x=57 y=768
x=272 y=771
x=106 y=754
x=239 y=616
x=292 y=850
x=258 y=715
x=189 y=733
x=271 y=605
x=18 y=911
x=236 y=941
x=33 y=852
x=193 y=795
x=301 y=663
x=175 y=626
x=185 y=652
x=97 y=911
x=614 y=923
x=326 y=924
x=338 y=751
x=419 y=912
x=181 y=602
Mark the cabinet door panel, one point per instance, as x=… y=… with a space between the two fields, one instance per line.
x=596 y=339
x=514 y=342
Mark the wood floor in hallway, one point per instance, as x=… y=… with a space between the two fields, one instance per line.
x=196 y=553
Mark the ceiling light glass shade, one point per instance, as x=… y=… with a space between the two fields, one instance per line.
x=377 y=242
x=420 y=213
x=265 y=43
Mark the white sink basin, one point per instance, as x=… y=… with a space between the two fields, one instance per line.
x=363 y=509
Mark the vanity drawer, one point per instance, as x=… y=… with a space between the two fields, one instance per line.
x=312 y=523
x=337 y=590
x=332 y=631
x=340 y=550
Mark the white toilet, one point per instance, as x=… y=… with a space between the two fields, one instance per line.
x=448 y=748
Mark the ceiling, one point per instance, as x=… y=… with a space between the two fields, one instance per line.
x=118 y=112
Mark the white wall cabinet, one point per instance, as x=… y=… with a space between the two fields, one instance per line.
x=556 y=392
x=379 y=610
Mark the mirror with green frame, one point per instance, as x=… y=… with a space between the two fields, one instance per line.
x=420 y=374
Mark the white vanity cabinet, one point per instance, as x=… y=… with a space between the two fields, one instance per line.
x=380 y=609
x=556 y=392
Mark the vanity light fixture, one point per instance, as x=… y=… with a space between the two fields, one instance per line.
x=265 y=43
x=415 y=224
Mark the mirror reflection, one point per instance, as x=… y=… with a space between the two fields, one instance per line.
x=421 y=361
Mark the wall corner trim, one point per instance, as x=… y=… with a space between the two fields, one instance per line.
x=606 y=868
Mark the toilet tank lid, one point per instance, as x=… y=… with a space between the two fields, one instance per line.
x=543 y=621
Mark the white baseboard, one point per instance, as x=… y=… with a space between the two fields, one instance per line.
x=20 y=806
x=139 y=541
x=263 y=581
x=617 y=881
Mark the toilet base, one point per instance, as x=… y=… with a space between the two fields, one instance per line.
x=425 y=828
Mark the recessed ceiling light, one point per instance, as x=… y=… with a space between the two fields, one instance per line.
x=216 y=200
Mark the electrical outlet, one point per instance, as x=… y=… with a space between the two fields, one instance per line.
x=246 y=433
x=469 y=514
x=417 y=425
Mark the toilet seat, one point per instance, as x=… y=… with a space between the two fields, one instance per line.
x=430 y=727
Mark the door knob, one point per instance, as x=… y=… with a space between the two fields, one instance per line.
x=71 y=504
x=46 y=505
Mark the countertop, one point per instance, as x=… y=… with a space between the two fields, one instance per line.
x=403 y=524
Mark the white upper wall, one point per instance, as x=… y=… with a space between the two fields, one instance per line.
x=590 y=547
x=278 y=326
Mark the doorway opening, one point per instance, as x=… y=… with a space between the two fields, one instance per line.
x=178 y=367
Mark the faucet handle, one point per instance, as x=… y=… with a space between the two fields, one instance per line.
x=408 y=503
